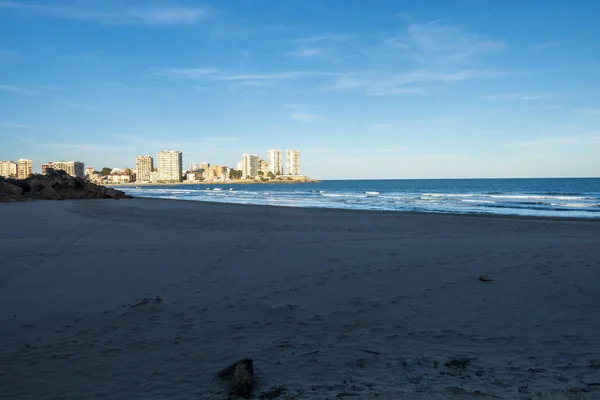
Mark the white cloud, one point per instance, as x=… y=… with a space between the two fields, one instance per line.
x=436 y=43
x=212 y=73
x=253 y=83
x=114 y=12
x=548 y=45
x=306 y=52
x=194 y=73
x=82 y=106
x=381 y=84
x=435 y=37
x=304 y=117
x=551 y=141
x=519 y=96
x=267 y=76
x=335 y=37
x=16 y=89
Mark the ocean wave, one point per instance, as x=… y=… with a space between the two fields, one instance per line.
x=583 y=204
x=510 y=196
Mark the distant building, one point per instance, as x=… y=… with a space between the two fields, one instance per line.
x=170 y=166
x=119 y=177
x=47 y=167
x=213 y=173
x=8 y=169
x=292 y=162
x=94 y=176
x=143 y=166
x=73 y=168
x=274 y=158
x=154 y=176
x=89 y=171
x=250 y=165
x=24 y=168
x=238 y=167
x=195 y=176
x=263 y=167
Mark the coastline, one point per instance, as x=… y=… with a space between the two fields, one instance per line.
x=257 y=207
x=525 y=198
x=327 y=302
x=233 y=182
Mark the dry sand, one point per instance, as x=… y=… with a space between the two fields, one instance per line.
x=331 y=304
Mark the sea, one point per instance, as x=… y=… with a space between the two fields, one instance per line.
x=564 y=197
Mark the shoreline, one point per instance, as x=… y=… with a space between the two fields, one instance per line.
x=235 y=182
x=390 y=212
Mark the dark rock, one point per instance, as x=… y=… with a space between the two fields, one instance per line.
x=10 y=189
x=20 y=183
x=6 y=198
x=112 y=193
x=57 y=185
x=50 y=194
x=240 y=376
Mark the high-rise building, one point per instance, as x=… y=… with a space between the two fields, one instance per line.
x=292 y=162
x=263 y=167
x=143 y=166
x=170 y=166
x=250 y=165
x=8 y=169
x=73 y=168
x=274 y=158
x=47 y=167
x=24 y=168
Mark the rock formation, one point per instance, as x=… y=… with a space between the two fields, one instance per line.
x=57 y=185
x=240 y=376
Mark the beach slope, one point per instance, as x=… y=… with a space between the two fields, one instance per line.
x=151 y=298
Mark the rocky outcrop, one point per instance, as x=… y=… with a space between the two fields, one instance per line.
x=240 y=376
x=55 y=186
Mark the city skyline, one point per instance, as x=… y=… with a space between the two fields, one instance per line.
x=168 y=169
x=430 y=89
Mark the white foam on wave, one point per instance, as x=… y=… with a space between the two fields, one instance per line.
x=573 y=205
x=509 y=196
x=536 y=197
x=496 y=203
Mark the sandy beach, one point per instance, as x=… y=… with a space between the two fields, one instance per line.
x=329 y=304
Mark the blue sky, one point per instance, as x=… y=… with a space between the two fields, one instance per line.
x=365 y=89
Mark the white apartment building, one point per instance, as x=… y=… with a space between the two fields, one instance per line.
x=144 y=165
x=292 y=162
x=275 y=160
x=8 y=169
x=24 y=168
x=73 y=168
x=170 y=166
x=250 y=165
